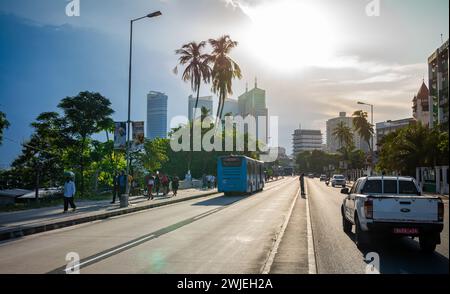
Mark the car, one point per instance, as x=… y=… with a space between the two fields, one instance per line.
x=323 y=178
x=392 y=207
x=338 y=180
x=311 y=176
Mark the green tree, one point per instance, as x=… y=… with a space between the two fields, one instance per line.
x=43 y=152
x=4 y=124
x=343 y=134
x=224 y=69
x=197 y=69
x=363 y=127
x=86 y=114
x=154 y=155
x=413 y=146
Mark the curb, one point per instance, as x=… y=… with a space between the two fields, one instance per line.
x=40 y=228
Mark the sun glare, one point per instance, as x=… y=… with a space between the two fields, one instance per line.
x=290 y=35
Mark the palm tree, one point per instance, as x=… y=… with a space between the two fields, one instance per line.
x=197 y=66
x=4 y=124
x=363 y=127
x=205 y=113
x=224 y=69
x=343 y=134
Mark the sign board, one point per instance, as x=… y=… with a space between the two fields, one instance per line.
x=120 y=135
x=138 y=135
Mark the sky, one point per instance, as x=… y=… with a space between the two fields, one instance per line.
x=314 y=58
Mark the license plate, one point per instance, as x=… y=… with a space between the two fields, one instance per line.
x=406 y=231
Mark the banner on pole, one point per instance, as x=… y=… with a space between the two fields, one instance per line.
x=120 y=135
x=138 y=135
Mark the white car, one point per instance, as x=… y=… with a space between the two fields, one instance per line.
x=338 y=180
x=392 y=206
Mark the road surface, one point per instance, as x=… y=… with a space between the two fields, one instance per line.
x=274 y=231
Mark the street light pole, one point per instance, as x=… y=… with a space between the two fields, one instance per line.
x=372 y=139
x=151 y=15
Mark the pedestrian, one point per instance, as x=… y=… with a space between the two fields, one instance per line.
x=150 y=184
x=69 y=193
x=165 y=184
x=175 y=185
x=116 y=189
x=122 y=183
x=302 y=184
x=157 y=183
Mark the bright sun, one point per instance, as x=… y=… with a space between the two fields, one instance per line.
x=290 y=35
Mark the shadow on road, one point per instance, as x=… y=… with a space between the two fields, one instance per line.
x=403 y=256
x=221 y=201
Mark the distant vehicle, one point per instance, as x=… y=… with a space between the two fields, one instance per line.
x=239 y=174
x=338 y=180
x=323 y=178
x=311 y=176
x=392 y=206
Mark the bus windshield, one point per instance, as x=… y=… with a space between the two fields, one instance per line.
x=232 y=162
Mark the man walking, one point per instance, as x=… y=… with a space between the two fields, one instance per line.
x=302 y=184
x=69 y=193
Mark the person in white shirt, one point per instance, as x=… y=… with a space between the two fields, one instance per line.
x=69 y=193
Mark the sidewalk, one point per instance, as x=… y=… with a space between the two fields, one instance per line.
x=28 y=222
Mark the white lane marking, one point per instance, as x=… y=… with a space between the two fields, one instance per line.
x=112 y=251
x=270 y=260
x=312 y=265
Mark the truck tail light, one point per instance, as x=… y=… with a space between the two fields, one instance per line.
x=441 y=211
x=368 y=209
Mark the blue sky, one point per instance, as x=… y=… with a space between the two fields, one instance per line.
x=46 y=56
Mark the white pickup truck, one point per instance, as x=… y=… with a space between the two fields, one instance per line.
x=392 y=206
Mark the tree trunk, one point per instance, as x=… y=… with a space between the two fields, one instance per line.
x=83 y=142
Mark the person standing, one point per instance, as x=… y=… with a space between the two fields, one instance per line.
x=175 y=185
x=122 y=183
x=150 y=184
x=116 y=189
x=157 y=184
x=69 y=193
x=302 y=184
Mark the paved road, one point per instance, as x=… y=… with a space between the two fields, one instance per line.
x=336 y=252
x=212 y=235
x=220 y=234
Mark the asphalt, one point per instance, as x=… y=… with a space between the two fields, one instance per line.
x=274 y=231
x=336 y=252
x=216 y=234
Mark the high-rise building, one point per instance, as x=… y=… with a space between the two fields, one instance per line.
x=156 y=115
x=385 y=128
x=421 y=106
x=333 y=144
x=206 y=102
x=231 y=106
x=253 y=103
x=438 y=82
x=306 y=140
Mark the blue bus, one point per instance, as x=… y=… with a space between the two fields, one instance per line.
x=239 y=174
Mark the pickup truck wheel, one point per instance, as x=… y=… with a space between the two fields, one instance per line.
x=346 y=224
x=361 y=237
x=427 y=243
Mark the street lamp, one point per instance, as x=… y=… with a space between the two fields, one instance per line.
x=150 y=15
x=372 y=139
